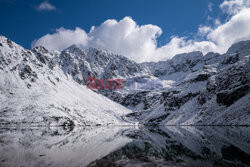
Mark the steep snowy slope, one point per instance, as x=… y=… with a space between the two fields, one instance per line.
x=34 y=90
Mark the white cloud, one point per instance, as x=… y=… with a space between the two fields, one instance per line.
x=139 y=43
x=123 y=37
x=234 y=6
x=204 y=30
x=45 y=6
x=235 y=30
x=218 y=39
x=62 y=39
x=126 y=37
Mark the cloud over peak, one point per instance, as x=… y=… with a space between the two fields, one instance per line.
x=125 y=37
x=62 y=39
x=139 y=42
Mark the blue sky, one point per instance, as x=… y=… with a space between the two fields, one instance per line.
x=23 y=21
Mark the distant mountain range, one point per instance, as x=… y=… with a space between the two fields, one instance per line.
x=43 y=88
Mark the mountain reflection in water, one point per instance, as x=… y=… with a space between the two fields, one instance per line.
x=125 y=146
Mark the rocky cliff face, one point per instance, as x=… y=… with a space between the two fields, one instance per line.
x=97 y=63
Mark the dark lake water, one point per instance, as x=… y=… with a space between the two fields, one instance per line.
x=125 y=146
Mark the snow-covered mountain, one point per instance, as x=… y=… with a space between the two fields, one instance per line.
x=210 y=89
x=35 y=89
x=98 y=63
x=43 y=87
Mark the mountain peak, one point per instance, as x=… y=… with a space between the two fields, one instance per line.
x=73 y=48
x=239 y=47
x=3 y=37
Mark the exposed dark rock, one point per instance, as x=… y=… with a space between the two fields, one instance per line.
x=14 y=68
x=27 y=72
x=233 y=153
x=175 y=102
x=158 y=119
x=202 y=77
x=159 y=73
x=229 y=97
x=201 y=99
x=231 y=77
x=28 y=85
x=9 y=42
x=51 y=81
x=231 y=59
